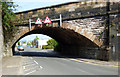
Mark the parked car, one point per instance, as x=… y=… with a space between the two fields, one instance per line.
x=20 y=48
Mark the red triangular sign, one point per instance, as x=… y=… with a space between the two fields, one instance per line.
x=47 y=20
x=38 y=21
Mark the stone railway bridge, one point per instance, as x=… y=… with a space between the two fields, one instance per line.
x=83 y=26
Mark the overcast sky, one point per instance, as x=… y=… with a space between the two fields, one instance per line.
x=32 y=4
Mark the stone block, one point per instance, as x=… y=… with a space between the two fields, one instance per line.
x=93 y=37
x=55 y=24
x=73 y=27
x=100 y=42
x=79 y=29
x=35 y=15
x=31 y=12
x=33 y=27
x=65 y=25
x=85 y=33
x=89 y=34
x=96 y=40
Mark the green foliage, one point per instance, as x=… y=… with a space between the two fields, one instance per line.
x=28 y=43
x=47 y=47
x=34 y=42
x=8 y=15
x=8 y=18
x=18 y=42
x=57 y=47
x=24 y=41
x=52 y=42
x=36 y=38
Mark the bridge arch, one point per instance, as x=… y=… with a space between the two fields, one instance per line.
x=68 y=36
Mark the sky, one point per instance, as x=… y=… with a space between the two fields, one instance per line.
x=33 y=36
x=24 y=5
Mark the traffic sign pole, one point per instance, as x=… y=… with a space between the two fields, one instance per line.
x=60 y=20
x=29 y=24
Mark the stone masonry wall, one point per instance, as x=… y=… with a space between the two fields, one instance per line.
x=68 y=11
x=91 y=25
x=1 y=42
x=72 y=10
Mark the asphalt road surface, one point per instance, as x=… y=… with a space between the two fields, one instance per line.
x=48 y=62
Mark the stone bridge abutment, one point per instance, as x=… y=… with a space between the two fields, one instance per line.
x=72 y=38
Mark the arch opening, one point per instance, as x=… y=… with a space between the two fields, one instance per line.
x=71 y=43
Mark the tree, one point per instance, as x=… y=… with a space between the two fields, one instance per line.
x=8 y=18
x=18 y=42
x=36 y=38
x=34 y=42
x=8 y=15
x=24 y=41
x=29 y=43
x=52 y=43
x=8 y=25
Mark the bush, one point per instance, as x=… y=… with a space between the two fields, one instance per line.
x=52 y=44
x=47 y=47
x=57 y=47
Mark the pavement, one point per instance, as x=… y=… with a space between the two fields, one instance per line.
x=12 y=65
x=0 y=67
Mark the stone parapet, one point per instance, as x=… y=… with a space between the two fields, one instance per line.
x=69 y=10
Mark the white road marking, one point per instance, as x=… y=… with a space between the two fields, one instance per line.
x=41 y=67
x=31 y=57
x=30 y=72
x=26 y=63
x=31 y=69
x=29 y=65
x=23 y=67
x=35 y=62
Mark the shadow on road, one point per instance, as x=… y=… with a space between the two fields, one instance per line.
x=30 y=52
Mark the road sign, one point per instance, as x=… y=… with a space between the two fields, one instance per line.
x=38 y=21
x=47 y=20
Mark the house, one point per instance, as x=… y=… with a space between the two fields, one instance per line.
x=40 y=43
